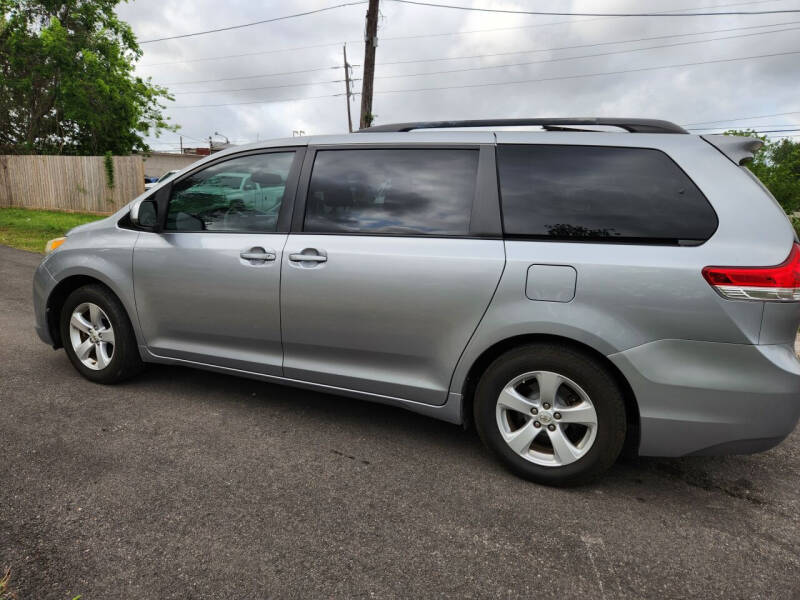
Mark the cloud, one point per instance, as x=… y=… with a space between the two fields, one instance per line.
x=683 y=95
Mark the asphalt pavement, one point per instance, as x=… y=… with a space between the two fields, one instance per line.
x=188 y=484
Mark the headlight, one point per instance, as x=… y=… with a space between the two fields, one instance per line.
x=53 y=244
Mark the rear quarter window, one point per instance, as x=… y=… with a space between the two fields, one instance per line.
x=600 y=194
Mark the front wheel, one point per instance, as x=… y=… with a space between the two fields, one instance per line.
x=552 y=414
x=98 y=337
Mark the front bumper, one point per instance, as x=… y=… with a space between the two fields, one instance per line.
x=712 y=398
x=43 y=284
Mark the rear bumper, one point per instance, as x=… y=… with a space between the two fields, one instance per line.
x=711 y=398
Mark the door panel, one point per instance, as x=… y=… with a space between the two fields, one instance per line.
x=381 y=314
x=208 y=285
x=211 y=297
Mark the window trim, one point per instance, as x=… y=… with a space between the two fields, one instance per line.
x=289 y=195
x=484 y=220
x=625 y=241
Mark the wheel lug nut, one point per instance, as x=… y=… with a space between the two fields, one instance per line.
x=545 y=406
x=534 y=411
x=557 y=415
x=551 y=427
x=537 y=424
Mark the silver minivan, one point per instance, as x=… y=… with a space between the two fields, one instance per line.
x=598 y=285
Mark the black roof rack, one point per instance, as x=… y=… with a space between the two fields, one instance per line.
x=630 y=125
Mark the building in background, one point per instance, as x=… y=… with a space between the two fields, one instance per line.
x=158 y=163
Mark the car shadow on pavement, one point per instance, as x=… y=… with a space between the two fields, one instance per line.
x=748 y=477
x=334 y=410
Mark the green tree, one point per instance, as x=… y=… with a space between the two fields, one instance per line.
x=66 y=80
x=777 y=165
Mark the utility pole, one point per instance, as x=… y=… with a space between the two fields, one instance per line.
x=370 y=44
x=347 y=85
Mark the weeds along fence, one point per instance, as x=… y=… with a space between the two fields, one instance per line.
x=69 y=183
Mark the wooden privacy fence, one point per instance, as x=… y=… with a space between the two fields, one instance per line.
x=70 y=183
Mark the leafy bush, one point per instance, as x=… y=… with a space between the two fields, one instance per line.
x=108 y=163
x=68 y=83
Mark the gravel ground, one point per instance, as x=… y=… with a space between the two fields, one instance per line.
x=185 y=484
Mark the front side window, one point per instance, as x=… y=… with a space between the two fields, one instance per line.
x=240 y=194
x=392 y=191
x=598 y=193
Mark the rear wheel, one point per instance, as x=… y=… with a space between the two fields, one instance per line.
x=552 y=414
x=98 y=337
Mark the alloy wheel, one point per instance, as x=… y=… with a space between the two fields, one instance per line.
x=546 y=418
x=92 y=336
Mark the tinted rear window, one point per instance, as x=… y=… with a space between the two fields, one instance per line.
x=392 y=191
x=604 y=194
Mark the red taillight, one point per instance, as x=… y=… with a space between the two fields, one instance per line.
x=779 y=283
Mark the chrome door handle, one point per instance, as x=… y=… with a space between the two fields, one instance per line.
x=263 y=255
x=307 y=258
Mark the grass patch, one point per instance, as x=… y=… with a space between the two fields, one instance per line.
x=6 y=593
x=31 y=229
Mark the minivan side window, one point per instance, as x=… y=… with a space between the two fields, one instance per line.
x=400 y=191
x=601 y=194
x=241 y=194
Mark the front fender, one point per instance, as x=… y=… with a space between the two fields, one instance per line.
x=102 y=254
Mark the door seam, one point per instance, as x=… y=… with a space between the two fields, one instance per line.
x=478 y=324
x=280 y=302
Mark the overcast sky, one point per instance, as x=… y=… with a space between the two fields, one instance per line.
x=685 y=95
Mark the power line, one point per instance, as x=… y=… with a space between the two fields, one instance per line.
x=453 y=33
x=569 y=21
x=549 y=60
x=269 y=87
x=275 y=51
x=277 y=101
x=189 y=137
x=522 y=81
x=605 y=73
x=252 y=23
x=796 y=112
x=254 y=76
x=500 y=54
x=401 y=62
x=594 y=45
x=582 y=14
x=175 y=140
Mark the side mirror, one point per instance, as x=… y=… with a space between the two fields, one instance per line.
x=144 y=214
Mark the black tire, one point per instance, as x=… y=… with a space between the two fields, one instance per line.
x=583 y=370
x=125 y=361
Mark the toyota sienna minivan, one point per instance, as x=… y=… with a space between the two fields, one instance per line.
x=596 y=285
